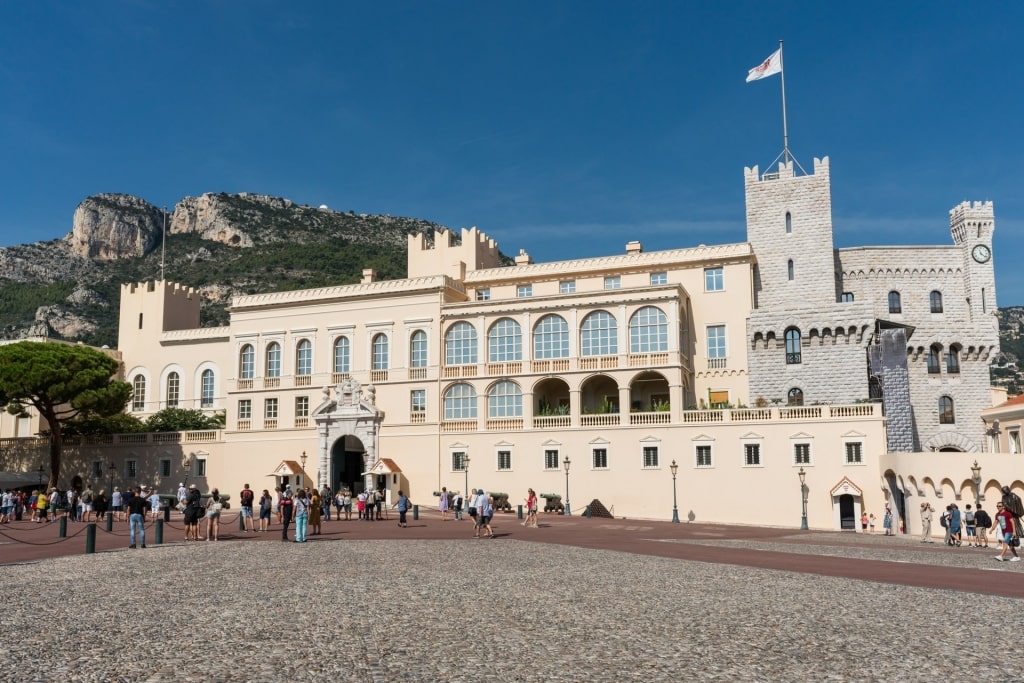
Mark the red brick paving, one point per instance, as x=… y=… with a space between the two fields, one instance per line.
x=28 y=542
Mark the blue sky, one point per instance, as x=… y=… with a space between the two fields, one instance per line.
x=565 y=128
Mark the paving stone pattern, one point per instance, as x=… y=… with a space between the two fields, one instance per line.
x=502 y=610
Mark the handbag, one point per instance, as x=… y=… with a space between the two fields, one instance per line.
x=1015 y=542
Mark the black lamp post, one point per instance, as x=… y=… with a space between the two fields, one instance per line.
x=465 y=469
x=110 y=471
x=675 y=507
x=976 y=478
x=40 y=472
x=566 y=463
x=803 y=499
x=303 y=459
x=188 y=469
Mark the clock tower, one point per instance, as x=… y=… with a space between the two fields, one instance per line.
x=971 y=224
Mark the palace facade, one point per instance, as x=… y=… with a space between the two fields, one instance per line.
x=770 y=370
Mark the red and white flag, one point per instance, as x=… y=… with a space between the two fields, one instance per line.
x=768 y=67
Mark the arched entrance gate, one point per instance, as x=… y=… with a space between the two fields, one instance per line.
x=348 y=424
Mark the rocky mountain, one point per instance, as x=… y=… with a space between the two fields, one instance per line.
x=221 y=244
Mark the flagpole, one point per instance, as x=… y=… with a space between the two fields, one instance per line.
x=785 y=129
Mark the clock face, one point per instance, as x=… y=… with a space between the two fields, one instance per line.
x=981 y=253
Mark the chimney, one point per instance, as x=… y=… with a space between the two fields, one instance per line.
x=633 y=247
x=369 y=275
x=523 y=259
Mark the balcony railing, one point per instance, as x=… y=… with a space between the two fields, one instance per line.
x=244 y=425
x=339 y=377
x=417 y=373
x=505 y=424
x=418 y=417
x=244 y=384
x=551 y=421
x=271 y=382
x=661 y=417
x=303 y=380
x=270 y=423
x=301 y=422
x=459 y=426
x=601 y=420
x=718 y=363
x=599 y=362
x=646 y=360
x=509 y=368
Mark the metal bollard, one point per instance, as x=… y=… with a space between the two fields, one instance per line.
x=167 y=513
x=519 y=512
x=63 y=527
x=110 y=521
x=159 y=532
x=90 y=538
x=415 y=512
x=241 y=521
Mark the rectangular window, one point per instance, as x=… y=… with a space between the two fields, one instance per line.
x=270 y=408
x=600 y=458
x=245 y=409
x=752 y=454
x=716 y=341
x=165 y=468
x=483 y=294
x=418 y=400
x=650 y=456
x=97 y=469
x=613 y=282
x=459 y=461
x=659 y=278
x=704 y=455
x=854 y=454
x=504 y=460
x=567 y=287
x=1013 y=437
x=131 y=469
x=200 y=467
x=524 y=291
x=801 y=454
x=550 y=460
x=713 y=280
x=302 y=406
x=846 y=297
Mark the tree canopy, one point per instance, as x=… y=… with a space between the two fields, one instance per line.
x=62 y=382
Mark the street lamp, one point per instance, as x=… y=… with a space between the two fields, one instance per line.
x=976 y=478
x=465 y=468
x=40 y=472
x=566 y=463
x=303 y=459
x=188 y=468
x=803 y=499
x=675 y=508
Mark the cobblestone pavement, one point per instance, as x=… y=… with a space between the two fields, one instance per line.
x=512 y=609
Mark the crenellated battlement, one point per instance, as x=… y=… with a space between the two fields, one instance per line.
x=786 y=171
x=169 y=289
x=971 y=220
x=452 y=253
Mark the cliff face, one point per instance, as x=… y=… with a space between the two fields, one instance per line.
x=113 y=226
x=216 y=217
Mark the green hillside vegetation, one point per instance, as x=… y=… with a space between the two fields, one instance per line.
x=19 y=300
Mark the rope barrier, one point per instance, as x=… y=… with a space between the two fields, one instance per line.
x=59 y=540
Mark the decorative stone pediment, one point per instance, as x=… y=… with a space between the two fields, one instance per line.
x=846 y=487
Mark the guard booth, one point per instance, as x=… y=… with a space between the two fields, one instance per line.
x=847 y=503
x=289 y=473
x=386 y=474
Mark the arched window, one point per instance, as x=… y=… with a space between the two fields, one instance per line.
x=935 y=301
x=304 y=358
x=273 y=359
x=599 y=335
x=894 y=302
x=789 y=222
x=505 y=341
x=418 y=349
x=648 y=330
x=206 y=389
x=380 y=352
x=953 y=360
x=460 y=402
x=789 y=269
x=933 y=359
x=551 y=338
x=946 y=415
x=139 y=393
x=793 y=354
x=342 y=355
x=247 y=362
x=173 y=389
x=460 y=344
x=795 y=397
x=505 y=399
